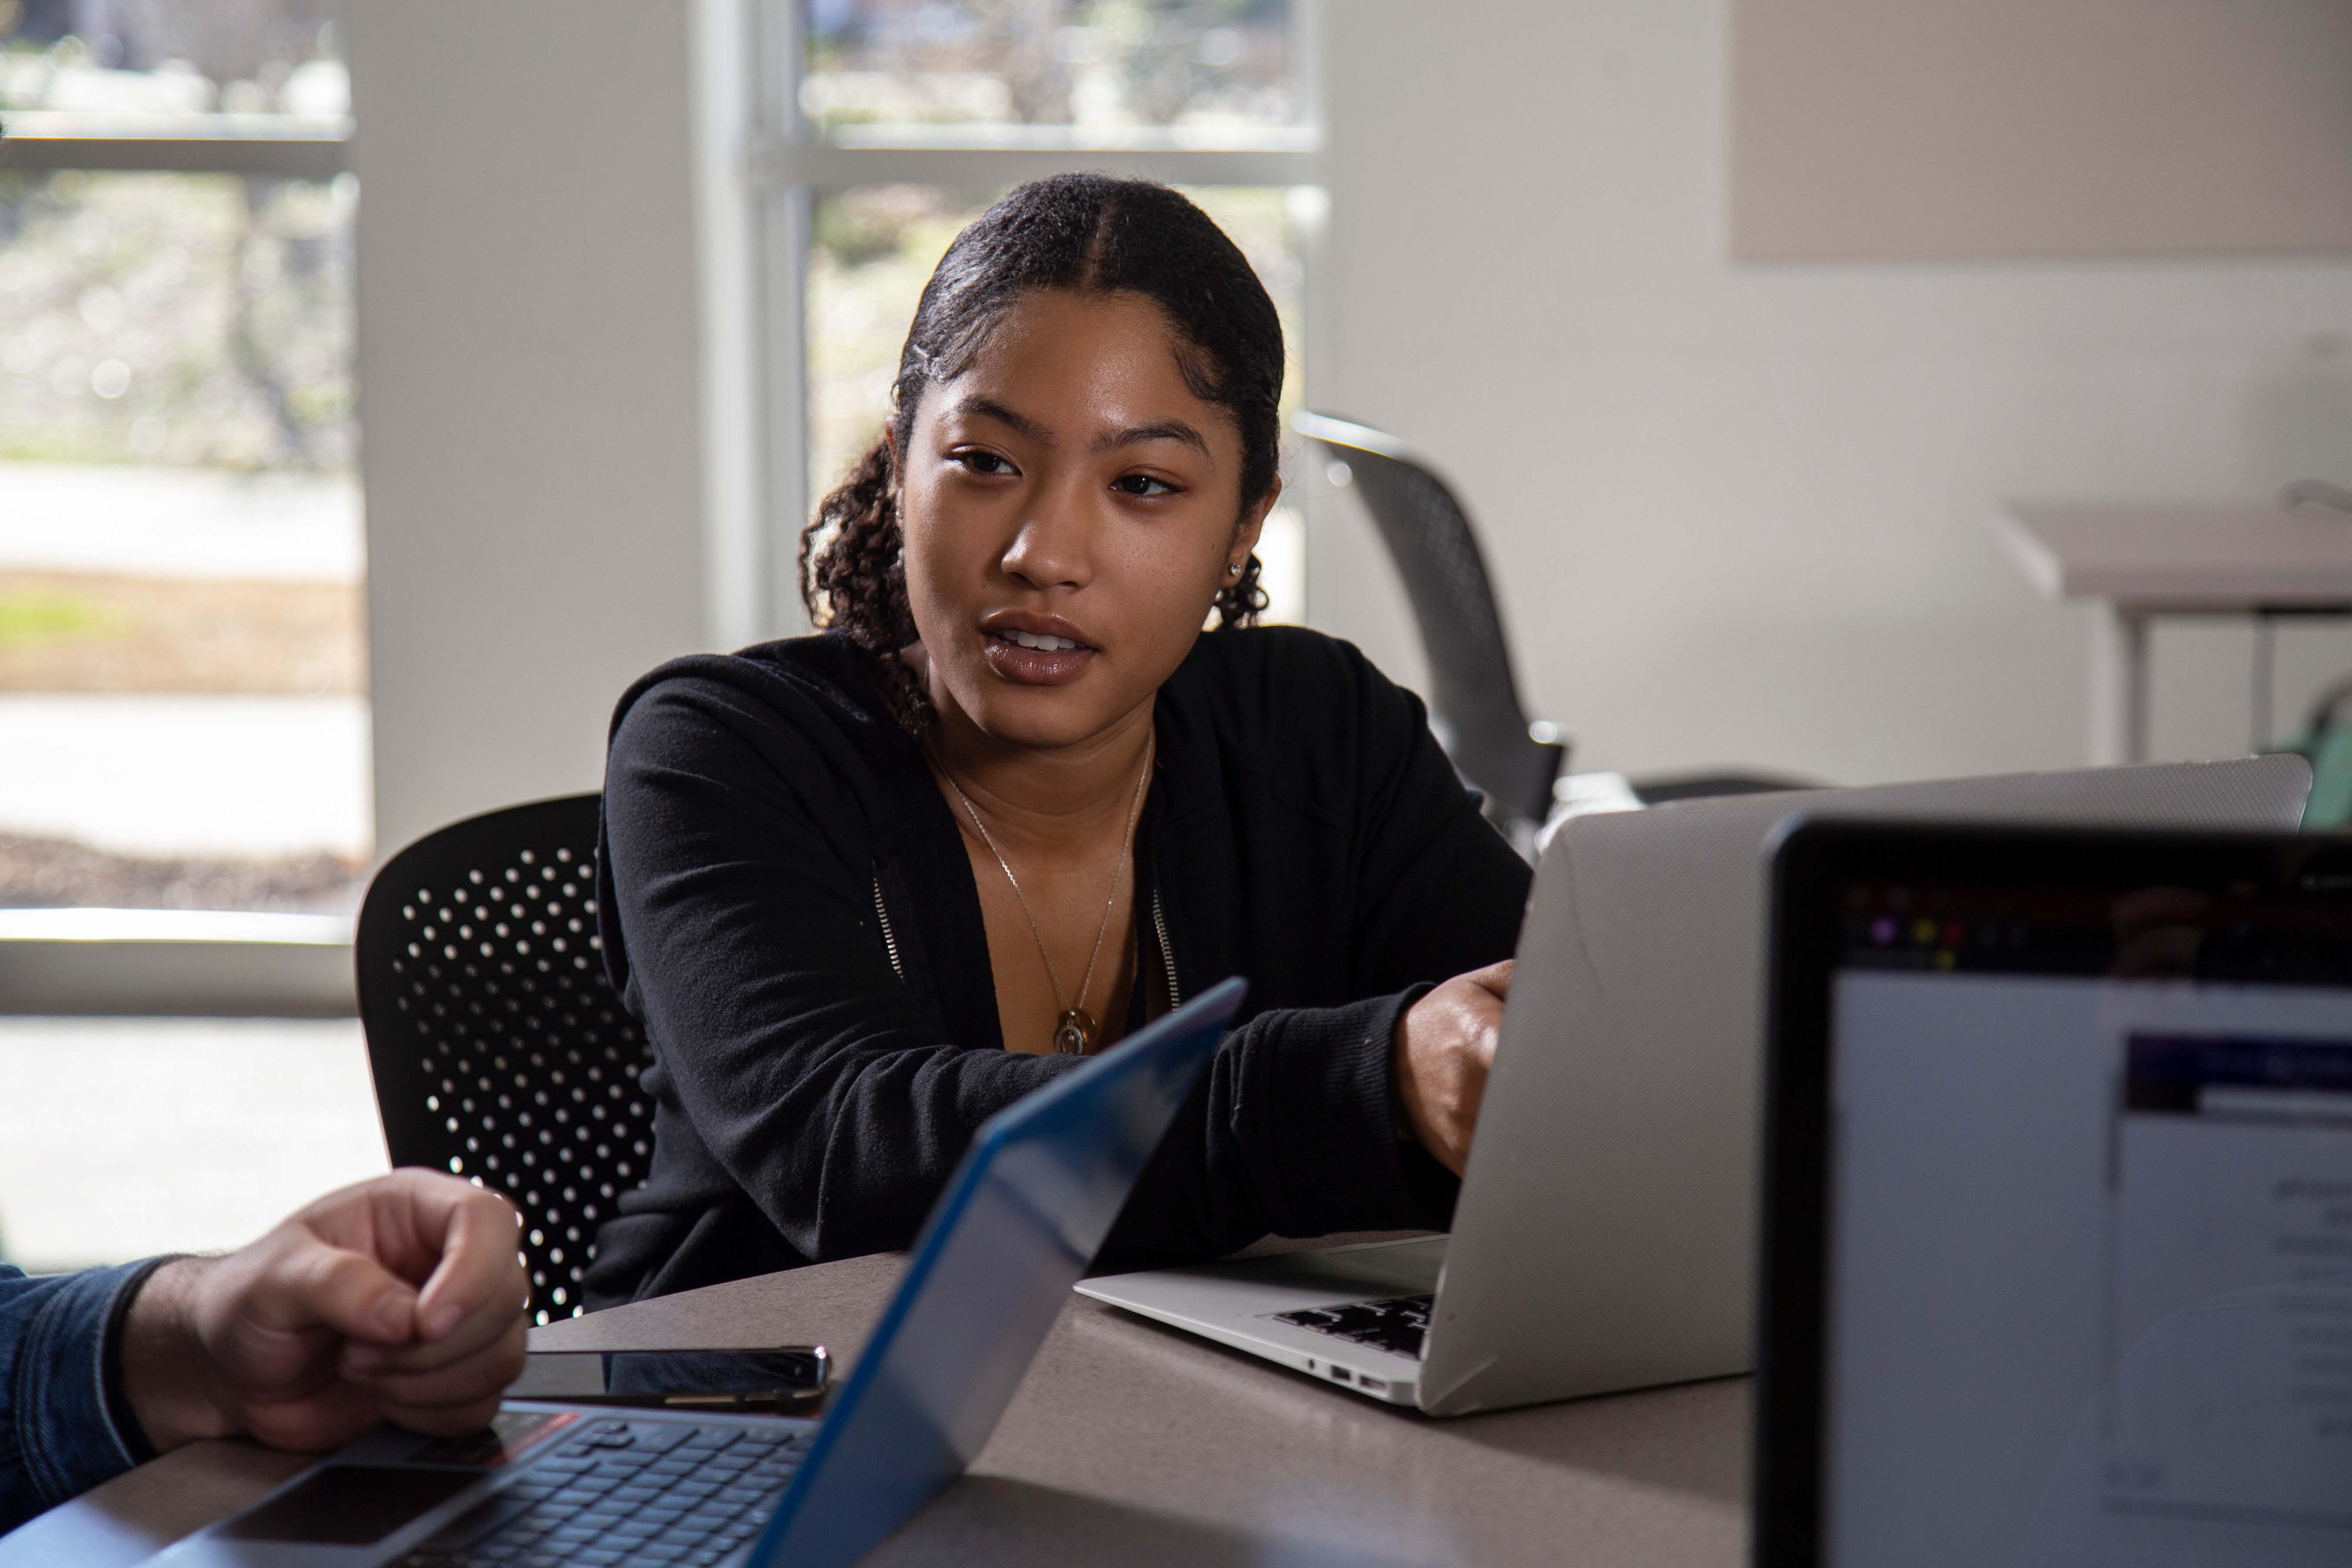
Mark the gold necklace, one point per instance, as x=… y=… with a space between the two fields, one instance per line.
x=1076 y=1030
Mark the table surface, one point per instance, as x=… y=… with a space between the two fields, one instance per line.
x=1135 y=1442
x=2189 y=558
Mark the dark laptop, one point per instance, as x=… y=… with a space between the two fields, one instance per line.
x=581 y=1485
x=2059 y=1201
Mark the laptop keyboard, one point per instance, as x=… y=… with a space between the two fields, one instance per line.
x=1396 y=1325
x=661 y=1492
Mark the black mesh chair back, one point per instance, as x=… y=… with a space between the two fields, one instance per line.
x=1473 y=700
x=499 y=1050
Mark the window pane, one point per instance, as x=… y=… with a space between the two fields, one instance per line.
x=874 y=248
x=1221 y=70
x=181 y=676
x=121 y=1138
x=113 y=58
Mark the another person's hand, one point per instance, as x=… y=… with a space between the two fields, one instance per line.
x=401 y=1299
x=1444 y=1045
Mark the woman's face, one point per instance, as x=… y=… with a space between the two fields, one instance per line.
x=1070 y=511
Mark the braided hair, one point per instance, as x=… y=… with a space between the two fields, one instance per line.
x=1089 y=234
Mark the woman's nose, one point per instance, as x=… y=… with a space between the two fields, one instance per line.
x=1052 y=548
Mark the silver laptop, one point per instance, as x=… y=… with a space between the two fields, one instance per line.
x=1605 y=1235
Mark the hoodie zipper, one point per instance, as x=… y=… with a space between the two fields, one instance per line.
x=1167 y=952
x=889 y=939
x=1158 y=928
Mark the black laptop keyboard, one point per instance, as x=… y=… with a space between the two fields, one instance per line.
x=1396 y=1325
x=621 y=1491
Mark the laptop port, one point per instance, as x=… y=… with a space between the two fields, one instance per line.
x=1372 y=1386
x=1342 y=1374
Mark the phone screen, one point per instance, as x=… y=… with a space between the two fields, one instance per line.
x=785 y=1377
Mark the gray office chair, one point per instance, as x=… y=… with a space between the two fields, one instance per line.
x=1473 y=698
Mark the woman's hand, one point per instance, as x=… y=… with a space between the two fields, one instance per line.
x=1445 y=1045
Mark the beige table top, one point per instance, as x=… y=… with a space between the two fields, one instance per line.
x=2189 y=558
x=1135 y=1443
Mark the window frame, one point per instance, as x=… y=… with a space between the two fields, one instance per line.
x=787 y=164
x=285 y=146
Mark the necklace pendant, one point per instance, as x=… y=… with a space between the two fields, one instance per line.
x=1075 y=1033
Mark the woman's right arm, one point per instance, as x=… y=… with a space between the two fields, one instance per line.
x=752 y=951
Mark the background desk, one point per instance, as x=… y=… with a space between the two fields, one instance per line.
x=1136 y=1444
x=2141 y=561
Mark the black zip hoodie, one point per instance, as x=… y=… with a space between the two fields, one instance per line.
x=785 y=904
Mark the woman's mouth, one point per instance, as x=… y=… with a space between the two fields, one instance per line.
x=1035 y=659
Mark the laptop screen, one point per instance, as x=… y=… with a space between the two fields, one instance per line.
x=2088 y=1284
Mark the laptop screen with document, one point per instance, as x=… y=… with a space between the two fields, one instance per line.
x=2076 y=1229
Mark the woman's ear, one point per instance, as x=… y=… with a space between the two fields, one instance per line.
x=1251 y=524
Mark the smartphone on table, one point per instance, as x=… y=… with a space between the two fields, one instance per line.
x=785 y=1379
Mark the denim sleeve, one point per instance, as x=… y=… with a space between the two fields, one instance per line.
x=60 y=1414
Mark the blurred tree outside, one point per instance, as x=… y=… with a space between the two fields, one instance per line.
x=237 y=55
x=198 y=319
x=1098 y=63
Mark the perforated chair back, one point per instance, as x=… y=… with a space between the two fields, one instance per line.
x=1473 y=700
x=499 y=1050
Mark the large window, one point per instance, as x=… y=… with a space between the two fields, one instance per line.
x=183 y=718
x=183 y=696
x=893 y=122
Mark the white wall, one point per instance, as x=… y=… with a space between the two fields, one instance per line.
x=530 y=373
x=1741 y=514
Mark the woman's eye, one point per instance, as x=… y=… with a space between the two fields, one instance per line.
x=983 y=462
x=1141 y=485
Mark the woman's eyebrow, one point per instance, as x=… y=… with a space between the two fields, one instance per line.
x=1166 y=430
x=981 y=407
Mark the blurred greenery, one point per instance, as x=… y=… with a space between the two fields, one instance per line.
x=238 y=54
x=180 y=319
x=35 y=617
x=1125 y=62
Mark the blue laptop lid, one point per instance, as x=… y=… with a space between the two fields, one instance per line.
x=1018 y=1223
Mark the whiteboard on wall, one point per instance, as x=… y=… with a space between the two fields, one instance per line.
x=1917 y=130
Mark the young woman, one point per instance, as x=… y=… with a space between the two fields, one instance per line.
x=866 y=887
